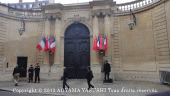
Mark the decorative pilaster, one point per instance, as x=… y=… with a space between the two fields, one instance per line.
x=95 y=55
x=107 y=32
x=95 y=65
x=57 y=36
x=107 y=14
x=47 y=33
x=56 y=69
x=45 y=67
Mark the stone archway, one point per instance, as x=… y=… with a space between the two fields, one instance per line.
x=77 y=50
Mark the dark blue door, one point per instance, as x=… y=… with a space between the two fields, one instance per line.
x=77 y=50
x=22 y=64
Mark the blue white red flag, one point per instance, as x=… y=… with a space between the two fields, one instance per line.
x=41 y=45
x=53 y=46
x=101 y=43
x=46 y=45
x=105 y=43
x=95 y=44
x=49 y=43
x=98 y=43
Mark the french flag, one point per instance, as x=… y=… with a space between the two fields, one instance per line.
x=46 y=45
x=53 y=46
x=98 y=43
x=49 y=43
x=95 y=44
x=101 y=43
x=105 y=43
x=41 y=45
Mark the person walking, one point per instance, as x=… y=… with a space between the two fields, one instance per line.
x=37 y=73
x=65 y=75
x=107 y=69
x=16 y=74
x=30 y=71
x=89 y=77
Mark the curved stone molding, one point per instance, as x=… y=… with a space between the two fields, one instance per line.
x=140 y=8
x=24 y=13
x=122 y=9
x=135 y=4
x=20 y=17
x=95 y=13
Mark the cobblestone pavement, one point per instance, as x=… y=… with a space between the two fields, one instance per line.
x=78 y=87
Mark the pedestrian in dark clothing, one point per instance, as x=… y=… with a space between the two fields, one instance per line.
x=30 y=71
x=107 y=69
x=16 y=74
x=37 y=73
x=89 y=77
x=65 y=75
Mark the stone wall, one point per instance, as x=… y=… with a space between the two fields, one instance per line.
x=137 y=54
x=14 y=45
x=144 y=50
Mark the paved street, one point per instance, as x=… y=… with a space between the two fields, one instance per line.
x=78 y=88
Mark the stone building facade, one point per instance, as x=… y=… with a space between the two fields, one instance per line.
x=136 y=54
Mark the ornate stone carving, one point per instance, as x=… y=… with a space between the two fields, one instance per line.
x=101 y=12
x=76 y=18
x=53 y=16
x=95 y=13
x=107 y=12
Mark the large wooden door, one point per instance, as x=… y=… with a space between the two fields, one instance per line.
x=77 y=50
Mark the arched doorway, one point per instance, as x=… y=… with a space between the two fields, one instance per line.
x=77 y=50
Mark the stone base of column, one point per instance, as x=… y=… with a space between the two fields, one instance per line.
x=44 y=72
x=97 y=77
x=112 y=76
x=51 y=73
x=96 y=69
x=55 y=77
x=56 y=72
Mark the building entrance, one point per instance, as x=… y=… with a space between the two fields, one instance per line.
x=77 y=50
x=22 y=64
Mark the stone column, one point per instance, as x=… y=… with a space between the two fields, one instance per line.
x=107 y=32
x=47 y=33
x=95 y=65
x=56 y=69
x=45 y=67
x=95 y=54
x=109 y=41
x=57 y=36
